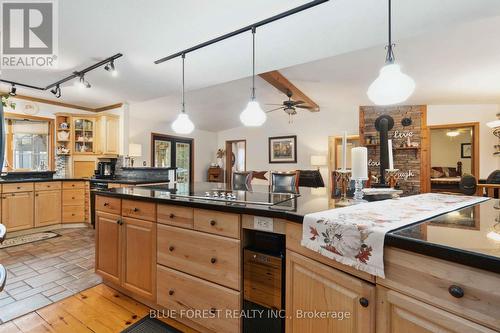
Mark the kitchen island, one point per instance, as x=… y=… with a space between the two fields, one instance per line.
x=183 y=249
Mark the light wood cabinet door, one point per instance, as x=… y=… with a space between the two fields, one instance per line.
x=108 y=246
x=112 y=133
x=47 y=208
x=17 y=211
x=139 y=257
x=399 y=313
x=314 y=289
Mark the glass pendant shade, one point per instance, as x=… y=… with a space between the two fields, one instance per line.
x=391 y=86
x=182 y=125
x=253 y=115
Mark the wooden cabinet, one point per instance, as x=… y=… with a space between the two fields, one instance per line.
x=313 y=288
x=47 y=208
x=224 y=224
x=108 y=134
x=126 y=251
x=215 y=175
x=139 y=257
x=108 y=240
x=399 y=313
x=84 y=130
x=17 y=210
x=73 y=202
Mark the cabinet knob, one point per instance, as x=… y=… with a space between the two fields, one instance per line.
x=171 y=292
x=213 y=222
x=72 y=198
x=117 y=221
x=135 y=209
x=456 y=291
x=106 y=204
x=171 y=248
x=213 y=260
x=364 y=302
x=171 y=215
x=36 y=195
x=19 y=187
x=72 y=214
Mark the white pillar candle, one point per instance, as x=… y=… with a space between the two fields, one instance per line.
x=359 y=163
x=344 y=151
x=391 y=161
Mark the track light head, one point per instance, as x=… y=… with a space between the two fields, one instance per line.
x=13 y=90
x=56 y=91
x=111 y=68
x=82 y=83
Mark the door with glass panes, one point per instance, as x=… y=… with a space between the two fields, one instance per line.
x=173 y=151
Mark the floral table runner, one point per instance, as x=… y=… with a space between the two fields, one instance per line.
x=354 y=235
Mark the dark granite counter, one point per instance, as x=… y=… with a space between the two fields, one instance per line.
x=459 y=236
x=129 y=181
x=35 y=180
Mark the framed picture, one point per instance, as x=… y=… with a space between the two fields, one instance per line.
x=283 y=149
x=466 y=151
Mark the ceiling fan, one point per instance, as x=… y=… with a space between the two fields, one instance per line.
x=290 y=106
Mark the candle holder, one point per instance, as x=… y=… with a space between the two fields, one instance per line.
x=343 y=176
x=392 y=177
x=358 y=193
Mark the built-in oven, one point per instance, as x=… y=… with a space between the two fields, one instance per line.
x=264 y=282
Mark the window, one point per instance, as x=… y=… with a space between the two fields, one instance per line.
x=176 y=152
x=28 y=144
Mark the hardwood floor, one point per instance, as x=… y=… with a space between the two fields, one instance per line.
x=100 y=309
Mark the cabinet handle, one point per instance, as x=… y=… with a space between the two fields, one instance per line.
x=213 y=260
x=456 y=291
x=171 y=248
x=106 y=204
x=171 y=292
x=213 y=222
x=364 y=302
x=135 y=209
x=171 y=215
x=72 y=214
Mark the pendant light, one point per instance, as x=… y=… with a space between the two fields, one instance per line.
x=253 y=116
x=182 y=124
x=391 y=86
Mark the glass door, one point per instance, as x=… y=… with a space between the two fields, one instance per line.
x=84 y=136
x=173 y=152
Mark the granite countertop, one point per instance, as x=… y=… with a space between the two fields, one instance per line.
x=459 y=236
x=129 y=181
x=28 y=180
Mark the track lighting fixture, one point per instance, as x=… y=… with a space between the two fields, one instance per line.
x=82 y=83
x=253 y=115
x=182 y=124
x=111 y=68
x=13 y=90
x=391 y=86
x=56 y=91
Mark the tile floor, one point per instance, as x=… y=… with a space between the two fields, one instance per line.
x=47 y=271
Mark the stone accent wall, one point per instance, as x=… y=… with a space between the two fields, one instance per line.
x=407 y=159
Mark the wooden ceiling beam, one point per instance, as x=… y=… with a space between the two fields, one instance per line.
x=277 y=80
x=66 y=105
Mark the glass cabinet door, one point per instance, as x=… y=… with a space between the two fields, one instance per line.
x=84 y=136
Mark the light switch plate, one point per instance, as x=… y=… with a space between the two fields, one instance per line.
x=263 y=223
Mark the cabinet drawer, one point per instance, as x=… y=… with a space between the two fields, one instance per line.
x=224 y=224
x=139 y=209
x=73 y=197
x=17 y=187
x=108 y=204
x=46 y=186
x=70 y=185
x=180 y=292
x=441 y=283
x=73 y=214
x=210 y=257
x=175 y=215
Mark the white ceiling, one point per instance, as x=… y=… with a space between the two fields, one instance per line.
x=453 y=65
x=91 y=30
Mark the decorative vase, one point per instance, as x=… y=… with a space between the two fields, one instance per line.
x=220 y=162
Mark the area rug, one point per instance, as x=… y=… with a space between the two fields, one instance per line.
x=150 y=325
x=355 y=235
x=25 y=239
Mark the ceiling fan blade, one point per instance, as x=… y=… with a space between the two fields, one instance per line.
x=305 y=107
x=298 y=102
x=274 y=109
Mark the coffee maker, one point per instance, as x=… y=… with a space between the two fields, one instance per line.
x=105 y=168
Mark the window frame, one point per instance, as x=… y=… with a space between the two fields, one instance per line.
x=9 y=149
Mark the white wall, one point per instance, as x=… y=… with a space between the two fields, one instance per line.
x=446 y=151
x=312 y=130
x=140 y=129
x=455 y=114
